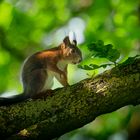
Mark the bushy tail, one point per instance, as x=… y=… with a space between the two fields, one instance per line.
x=13 y=100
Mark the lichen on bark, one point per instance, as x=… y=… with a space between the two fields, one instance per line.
x=73 y=106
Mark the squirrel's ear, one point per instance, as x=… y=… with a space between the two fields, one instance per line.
x=72 y=36
x=66 y=41
x=74 y=42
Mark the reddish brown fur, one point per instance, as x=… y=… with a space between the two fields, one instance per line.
x=40 y=68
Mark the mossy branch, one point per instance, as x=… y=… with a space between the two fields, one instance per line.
x=73 y=106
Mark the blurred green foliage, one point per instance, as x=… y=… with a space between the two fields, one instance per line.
x=27 y=26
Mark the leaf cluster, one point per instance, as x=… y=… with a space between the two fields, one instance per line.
x=100 y=50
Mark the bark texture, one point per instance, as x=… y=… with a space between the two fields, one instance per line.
x=73 y=106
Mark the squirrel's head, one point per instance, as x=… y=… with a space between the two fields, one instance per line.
x=71 y=52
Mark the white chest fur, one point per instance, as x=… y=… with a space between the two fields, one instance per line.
x=49 y=81
x=50 y=78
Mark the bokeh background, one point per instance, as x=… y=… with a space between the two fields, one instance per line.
x=27 y=26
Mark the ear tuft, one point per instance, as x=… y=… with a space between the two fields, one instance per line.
x=75 y=42
x=72 y=37
x=66 y=40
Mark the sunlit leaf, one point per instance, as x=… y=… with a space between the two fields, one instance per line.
x=93 y=66
x=130 y=60
x=104 y=51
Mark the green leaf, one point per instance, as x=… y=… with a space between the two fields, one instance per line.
x=93 y=47
x=104 y=51
x=113 y=55
x=108 y=47
x=97 y=47
x=130 y=60
x=85 y=67
x=100 y=43
x=93 y=66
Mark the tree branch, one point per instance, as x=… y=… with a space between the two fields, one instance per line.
x=73 y=106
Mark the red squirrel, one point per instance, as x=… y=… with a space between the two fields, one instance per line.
x=40 y=68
